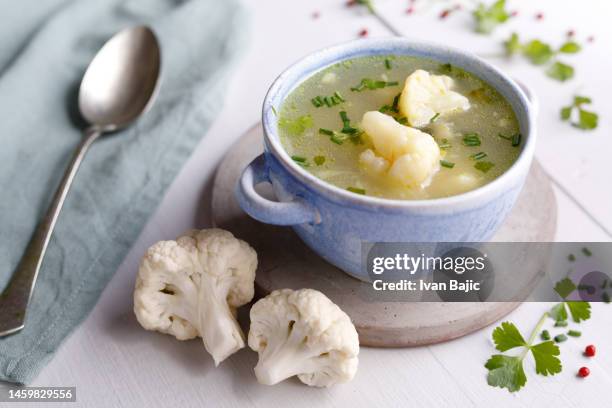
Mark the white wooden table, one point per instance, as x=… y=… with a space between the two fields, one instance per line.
x=113 y=362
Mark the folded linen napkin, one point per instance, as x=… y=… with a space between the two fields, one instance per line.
x=44 y=51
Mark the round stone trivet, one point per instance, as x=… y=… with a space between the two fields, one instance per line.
x=285 y=262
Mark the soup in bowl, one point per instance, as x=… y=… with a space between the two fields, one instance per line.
x=386 y=140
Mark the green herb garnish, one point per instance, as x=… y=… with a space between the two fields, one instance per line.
x=478 y=156
x=570 y=47
x=296 y=126
x=302 y=161
x=560 y=71
x=507 y=371
x=586 y=251
x=484 y=166
x=560 y=338
x=434 y=117
x=561 y=323
x=356 y=190
x=388 y=63
x=545 y=335
x=319 y=160
x=587 y=120
x=447 y=164
x=487 y=18
x=329 y=101
x=577 y=309
x=471 y=139
x=574 y=333
x=571 y=258
x=538 y=52
x=367 y=83
x=516 y=140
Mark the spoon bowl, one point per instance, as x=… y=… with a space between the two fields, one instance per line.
x=121 y=81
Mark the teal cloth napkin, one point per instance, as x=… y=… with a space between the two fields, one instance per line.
x=45 y=47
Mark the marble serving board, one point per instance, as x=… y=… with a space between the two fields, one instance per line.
x=285 y=262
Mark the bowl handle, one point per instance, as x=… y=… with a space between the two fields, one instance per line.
x=297 y=211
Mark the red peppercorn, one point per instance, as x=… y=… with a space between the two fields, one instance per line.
x=540 y=16
x=589 y=350
x=316 y=15
x=571 y=33
x=584 y=372
x=363 y=32
x=591 y=39
x=410 y=10
x=350 y=3
x=514 y=13
x=444 y=14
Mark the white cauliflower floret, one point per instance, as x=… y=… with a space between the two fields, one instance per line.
x=425 y=95
x=302 y=333
x=192 y=286
x=409 y=156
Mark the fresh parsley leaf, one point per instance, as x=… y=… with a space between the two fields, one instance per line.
x=296 y=126
x=546 y=360
x=507 y=337
x=487 y=18
x=558 y=312
x=513 y=44
x=506 y=372
x=566 y=112
x=587 y=120
x=560 y=71
x=538 y=52
x=565 y=287
x=570 y=47
x=579 y=100
x=580 y=311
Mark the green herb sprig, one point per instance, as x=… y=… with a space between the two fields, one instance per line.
x=507 y=371
x=540 y=53
x=586 y=120
x=487 y=18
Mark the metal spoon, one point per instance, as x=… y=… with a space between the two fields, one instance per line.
x=119 y=85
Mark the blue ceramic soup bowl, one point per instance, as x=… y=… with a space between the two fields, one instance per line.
x=335 y=222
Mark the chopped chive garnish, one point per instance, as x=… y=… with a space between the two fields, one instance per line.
x=302 y=161
x=574 y=333
x=356 y=190
x=560 y=338
x=471 y=139
x=387 y=63
x=444 y=145
x=504 y=137
x=447 y=164
x=586 y=252
x=326 y=132
x=385 y=108
x=329 y=101
x=344 y=118
x=319 y=160
x=434 y=117
x=561 y=323
x=516 y=140
x=483 y=166
x=349 y=130
x=394 y=107
x=478 y=156
x=571 y=258
x=402 y=120
x=337 y=138
x=367 y=83
x=545 y=335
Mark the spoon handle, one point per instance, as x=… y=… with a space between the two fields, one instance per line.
x=14 y=300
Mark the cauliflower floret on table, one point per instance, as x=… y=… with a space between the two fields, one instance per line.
x=192 y=286
x=425 y=95
x=409 y=156
x=303 y=333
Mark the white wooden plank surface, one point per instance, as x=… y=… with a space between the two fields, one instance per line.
x=115 y=363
